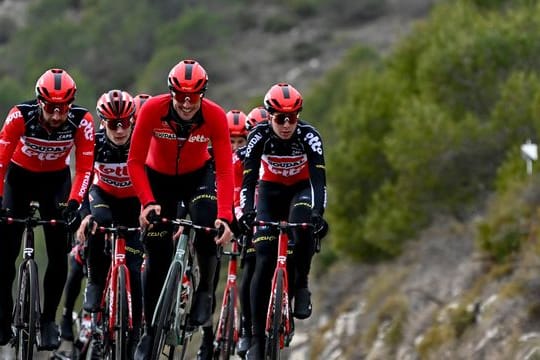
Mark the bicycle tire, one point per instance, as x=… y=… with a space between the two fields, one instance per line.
x=121 y=326
x=227 y=344
x=164 y=310
x=184 y=321
x=29 y=309
x=272 y=348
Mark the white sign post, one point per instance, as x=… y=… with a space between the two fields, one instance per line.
x=529 y=151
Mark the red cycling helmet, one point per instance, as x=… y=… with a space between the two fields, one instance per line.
x=255 y=116
x=56 y=86
x=283 y=98
x=236 y=120
x=115 y=104
x=188 y=76
x=139 y=101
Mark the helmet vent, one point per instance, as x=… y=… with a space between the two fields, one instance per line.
x=286 y=92
x=189 y=71
x=57 y=81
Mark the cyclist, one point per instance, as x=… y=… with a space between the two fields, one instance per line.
x=77 y=263
x=139 y=100
x=255 y=116
x=35 y=141
x=169 y=163
x=236 y=121
x=292 y=186
x=112 y=200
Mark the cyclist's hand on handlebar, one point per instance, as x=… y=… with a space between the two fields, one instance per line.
x=143 y=218
x=71 y=214
x=320 y=226
x=82 y=230
x=246 y=220
x=224 y=236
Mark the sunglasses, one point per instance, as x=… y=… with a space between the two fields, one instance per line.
x=183 y=96
x=282 y=118
x=51 y=108
x=113 y=124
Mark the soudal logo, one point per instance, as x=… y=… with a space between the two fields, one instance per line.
x=254 y=140
x=85 y=183
x=116 y=183
x=164 y=135
x=45 y=148
x=39 y=145
x=198 y=138
x=286 y=162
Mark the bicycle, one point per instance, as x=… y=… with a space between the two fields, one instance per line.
x=279 y=328
x=171 y=315
x=227 y=328
x=110 y=339
x=27 y=308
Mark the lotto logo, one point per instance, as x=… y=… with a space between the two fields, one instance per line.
x=314 y=142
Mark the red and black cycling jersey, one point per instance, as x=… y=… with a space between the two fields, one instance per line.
x=285 y=162
x=110 y=167
x=25 y=142
x=171 y=146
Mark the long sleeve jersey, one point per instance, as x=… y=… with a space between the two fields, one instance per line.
x=286 y=162
x=159 y=143
x=25 y=142
x=110 y=167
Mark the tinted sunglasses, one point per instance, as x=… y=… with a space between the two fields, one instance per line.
x=183 y=96
x=114 y=124
x=51 y=108
x=282 y=118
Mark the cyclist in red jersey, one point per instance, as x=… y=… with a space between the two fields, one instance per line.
x=111 y=201
x=255 y=116
x=169 y=163
x=35 y=141
x=284 y=159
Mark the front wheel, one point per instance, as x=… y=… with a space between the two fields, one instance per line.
x=121 y=320
x=226 y=343
x=163 y=314
x=28 y=311
x=273 y=338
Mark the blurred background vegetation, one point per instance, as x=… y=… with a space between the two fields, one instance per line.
x=433 y=127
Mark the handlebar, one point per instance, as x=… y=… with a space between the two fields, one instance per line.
x=156 y=219
x=117 y=229
x=32 y=221
x=282 y=225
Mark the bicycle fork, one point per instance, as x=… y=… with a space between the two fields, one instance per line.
x=281 y=267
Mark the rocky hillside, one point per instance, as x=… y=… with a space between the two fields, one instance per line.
x=440 y=300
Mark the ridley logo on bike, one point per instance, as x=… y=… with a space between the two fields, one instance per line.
x=28 y=252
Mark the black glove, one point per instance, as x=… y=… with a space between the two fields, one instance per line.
x=320 y=226
x=246 y=221
x=71 y=215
